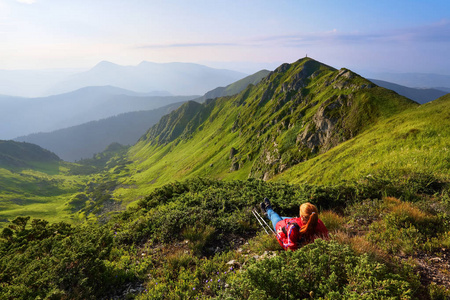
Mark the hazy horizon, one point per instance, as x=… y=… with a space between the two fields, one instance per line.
x=247 y=36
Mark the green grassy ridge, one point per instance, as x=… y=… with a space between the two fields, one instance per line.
x=165 y=242
x=156 y=165
x=172 y=125
x=413 y=141
x=263 y=123
x=240 y=85
x=264 y=120
x=21 y=155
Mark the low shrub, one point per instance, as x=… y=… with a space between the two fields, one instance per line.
x=332 y=220
x=323 y=270
x=404 y=227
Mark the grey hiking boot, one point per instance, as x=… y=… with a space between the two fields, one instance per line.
x=262 y=206
x=267 y=204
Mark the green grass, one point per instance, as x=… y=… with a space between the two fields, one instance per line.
x=414 y=141
x=206 y=154
x=266 y=135
x=260 y=131
x=184 y=201
x=37 y=194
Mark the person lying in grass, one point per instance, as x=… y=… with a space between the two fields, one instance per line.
x=292 y=233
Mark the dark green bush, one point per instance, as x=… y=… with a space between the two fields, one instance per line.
x=55 y=261
x=146 y=246
x=323 y=270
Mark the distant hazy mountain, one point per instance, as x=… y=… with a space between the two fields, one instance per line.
x=30 y=83
x=176 y=78
x=83 y=141
x=235 y=87
x=414 y=80
x=22 y=116
x=445 y=89
x=419 y=95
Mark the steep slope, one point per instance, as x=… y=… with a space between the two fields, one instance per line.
x=297 y=112
x=84 y=140
x=416 y=141
x=419 y=95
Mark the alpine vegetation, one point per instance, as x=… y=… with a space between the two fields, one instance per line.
x=174 y=215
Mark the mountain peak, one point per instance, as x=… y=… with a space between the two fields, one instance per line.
x=105 y=65
x=297 y=112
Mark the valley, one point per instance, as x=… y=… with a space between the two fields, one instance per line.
x=170 y=216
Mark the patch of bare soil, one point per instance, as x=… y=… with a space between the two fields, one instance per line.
x=433 y=268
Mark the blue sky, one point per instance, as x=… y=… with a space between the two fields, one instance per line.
x=245 y=35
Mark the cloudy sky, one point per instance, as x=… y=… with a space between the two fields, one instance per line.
x=245 y=35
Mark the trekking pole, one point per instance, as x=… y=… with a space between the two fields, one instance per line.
x=258 y=217
x=254 y=213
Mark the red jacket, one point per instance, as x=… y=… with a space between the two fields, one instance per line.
x=289 y=239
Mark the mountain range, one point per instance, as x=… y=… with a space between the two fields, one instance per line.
x=83 y=141
x=175 y=78
x=297 y=116
x=22 y=116
x=420 y=95
x=146 y=77
x=173 y=216
x=297 y=112
x=413 y=80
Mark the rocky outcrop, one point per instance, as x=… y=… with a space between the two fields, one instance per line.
x=233 y=152
x=235 y=160
x=322 y=132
